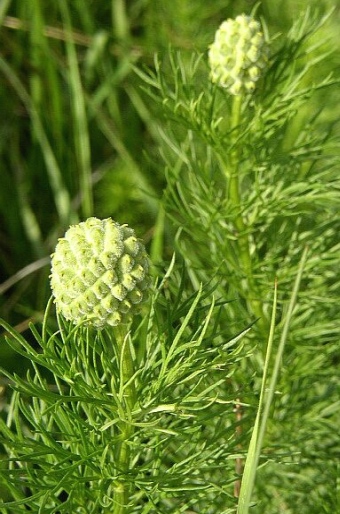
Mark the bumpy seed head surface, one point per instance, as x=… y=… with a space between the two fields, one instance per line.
x=99 y=273
x=238 y=55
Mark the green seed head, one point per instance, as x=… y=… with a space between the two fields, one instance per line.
x=238 y=55
x=100 y=273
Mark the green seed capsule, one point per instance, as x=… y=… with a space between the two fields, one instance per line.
x=100 y=273
x=238 y=55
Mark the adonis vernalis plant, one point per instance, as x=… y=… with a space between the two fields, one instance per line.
x=193 y=385
x=252 y=173
x=109 y=432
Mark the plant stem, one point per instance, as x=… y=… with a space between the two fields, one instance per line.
x=128 y=396
x=234 y=197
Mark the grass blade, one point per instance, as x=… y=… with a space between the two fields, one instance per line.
x=81 y=135
x=265 y=401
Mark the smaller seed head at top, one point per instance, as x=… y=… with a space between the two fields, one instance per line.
x=238 y=55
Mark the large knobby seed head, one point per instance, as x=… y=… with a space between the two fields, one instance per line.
x=100 y=273
x=238 y=55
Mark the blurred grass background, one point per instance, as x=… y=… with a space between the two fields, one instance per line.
x=77 y=136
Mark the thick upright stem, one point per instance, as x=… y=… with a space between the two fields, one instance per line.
x=234 y=197
x=128 y=395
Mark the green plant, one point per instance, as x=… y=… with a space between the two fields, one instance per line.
x=118 y=424
x=220 y=395
x=254 y=178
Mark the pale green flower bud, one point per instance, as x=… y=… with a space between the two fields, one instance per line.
x=100 y=273
x=238 y=55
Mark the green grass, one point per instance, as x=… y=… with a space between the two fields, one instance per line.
x=107 y=110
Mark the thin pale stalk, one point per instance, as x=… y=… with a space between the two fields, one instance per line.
x=266 y=397
x=249 y=473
